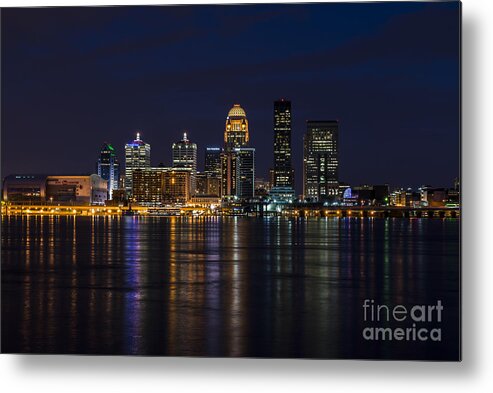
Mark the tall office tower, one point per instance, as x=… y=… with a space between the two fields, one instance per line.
x=184 y=154
x=236 y=129
x=109 y=168
x=320 y=160
x=283 y=171
x=238 y=167
x=245 y=172
x=212 y=161
x=137 y=155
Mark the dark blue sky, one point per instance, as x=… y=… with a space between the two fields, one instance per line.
x=73 y=78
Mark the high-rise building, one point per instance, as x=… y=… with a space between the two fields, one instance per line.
x=236 y=130
x=320 y=160
x=109 y=168
x=137 y=155
x=238 y=166
x=176 y=185
x=245 y=172
x=283 y=171
x=213 y=161
x=237 y=160
x=147 y=185
x=184 y=155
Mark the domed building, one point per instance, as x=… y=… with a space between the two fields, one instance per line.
x=237 y=160
x=236 y=128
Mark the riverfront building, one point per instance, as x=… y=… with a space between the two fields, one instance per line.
x=321 y=161
x=283 y=171
x=137 y=156
x=237 y=160
x=184 y=154
x=109 y=168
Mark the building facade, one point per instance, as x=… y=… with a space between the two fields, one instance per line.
x=147 y=186
x=83 y=190
x=237 y=160
x=137 y=156
x=176 y=186
x=236 y=133
x=184 y=155
x=321 y=161
x=212 y=163
x=109 y=168
x=66 y=189
x=283 y=170
x=245 y=172
x=24 y=188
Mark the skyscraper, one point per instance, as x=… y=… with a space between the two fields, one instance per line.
x=137 y=155
x=109 y=168
x=236 y=132
x=184 y=154
x=212 y=161
x=147 y=185
x=283 y=171
x=320 y=160
x=237 y=160
x=238 y=166
x=245 y=172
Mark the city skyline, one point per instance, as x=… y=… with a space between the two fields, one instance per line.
x=109 y=103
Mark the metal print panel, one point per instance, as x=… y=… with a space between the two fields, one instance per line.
x=275 y=180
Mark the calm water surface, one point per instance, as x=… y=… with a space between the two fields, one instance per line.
x=223 y=286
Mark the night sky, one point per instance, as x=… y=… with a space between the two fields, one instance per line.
x=73 y=78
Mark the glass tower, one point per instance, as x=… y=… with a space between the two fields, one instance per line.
x=137 y=155
x=320 y=160
x=109 y=168
x=184 y=155
x=213 y=161
x=283 y=171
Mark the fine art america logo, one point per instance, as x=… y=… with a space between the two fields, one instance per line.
x=411 y=323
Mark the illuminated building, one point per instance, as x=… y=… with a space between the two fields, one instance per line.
x=78 y=189
x=109 y=168
x=213 y=161
x=236 y=129
x=262 y=187
x=320 y=160
x=237 y=160
x=137 y=155
x=184 y=155
x=176 y=185
x=82 y=190
x=245 y=172
x=282 y=195
x=24 y=188
x=147 y=186
x=283 y=171
x=238 y=173
x=207 y=184
x=228 y=178
x=207 y=201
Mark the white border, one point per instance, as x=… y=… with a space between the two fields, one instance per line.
x=127 y=374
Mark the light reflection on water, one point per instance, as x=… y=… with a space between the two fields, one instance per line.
x=221 y=286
